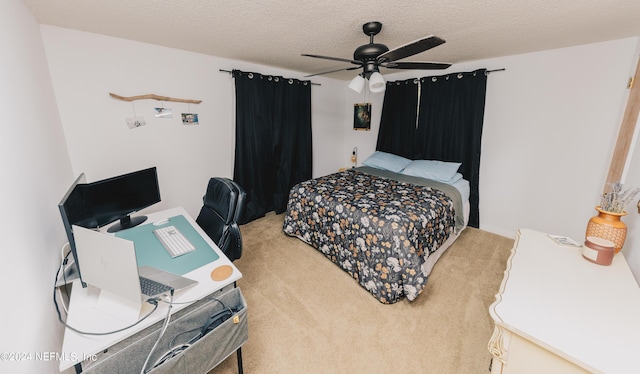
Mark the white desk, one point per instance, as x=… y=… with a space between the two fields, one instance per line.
x=558 y=313
x=84 y=316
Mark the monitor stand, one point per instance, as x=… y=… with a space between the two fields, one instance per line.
x=126 y=223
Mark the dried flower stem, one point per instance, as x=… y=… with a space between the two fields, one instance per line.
x=616 y=199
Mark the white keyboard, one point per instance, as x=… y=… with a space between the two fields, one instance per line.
x=173 y=241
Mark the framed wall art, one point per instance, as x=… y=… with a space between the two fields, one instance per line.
x=362 y=116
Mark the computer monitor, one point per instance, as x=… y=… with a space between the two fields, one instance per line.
x=117 y=198
x=96 y=204
x=75 y=210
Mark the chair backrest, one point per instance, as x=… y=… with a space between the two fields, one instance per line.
x=240 y=199
x=233 y=244
x=223 y=206
x=222 y=197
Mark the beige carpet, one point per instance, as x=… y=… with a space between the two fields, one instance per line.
x=306 y=315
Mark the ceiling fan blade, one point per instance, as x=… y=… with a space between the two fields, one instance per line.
x=333 y=71
x=334 y=59
x=416 y=65
x=411 y=48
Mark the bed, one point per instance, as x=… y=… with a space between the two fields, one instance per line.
x=384 y=227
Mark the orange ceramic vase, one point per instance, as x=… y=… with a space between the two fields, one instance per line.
x=607 y=225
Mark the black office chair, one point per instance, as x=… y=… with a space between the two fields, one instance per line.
x=223 y=208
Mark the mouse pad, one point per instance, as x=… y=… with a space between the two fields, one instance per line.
x=150 y=252
x=221 y=273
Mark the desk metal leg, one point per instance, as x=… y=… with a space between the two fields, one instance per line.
x=78 y=368
x=239 y=351
x=239 y=355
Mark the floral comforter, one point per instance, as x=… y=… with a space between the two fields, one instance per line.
x=379 y=230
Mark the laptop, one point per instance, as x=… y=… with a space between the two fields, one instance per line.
x=109 y=263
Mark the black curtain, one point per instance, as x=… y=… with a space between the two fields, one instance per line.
x=398 y=119
x=449 y=126
x=273 y=139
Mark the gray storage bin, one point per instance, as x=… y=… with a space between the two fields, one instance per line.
x=128 y=356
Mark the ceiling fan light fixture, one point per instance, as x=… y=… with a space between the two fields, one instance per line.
x=357 y=83
x=370 y=57
x=376 y=82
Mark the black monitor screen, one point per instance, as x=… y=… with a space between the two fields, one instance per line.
x=93 y=205
x=75 y=210
x=118 y=197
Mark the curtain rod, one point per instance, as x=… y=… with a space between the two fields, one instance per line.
x=318 y=84
x=230 y=72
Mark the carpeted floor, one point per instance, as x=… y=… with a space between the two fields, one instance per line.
x=306 y=315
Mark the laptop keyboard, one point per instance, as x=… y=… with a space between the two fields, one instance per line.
x=173 y=241
x=152 y=288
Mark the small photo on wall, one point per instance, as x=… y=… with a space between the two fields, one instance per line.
x=135 y=122
x=362 y=116
x=163 y=112
x=189 y=118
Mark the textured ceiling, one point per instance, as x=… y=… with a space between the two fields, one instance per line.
x=276 y=32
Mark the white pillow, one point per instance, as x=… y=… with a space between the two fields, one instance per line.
x=456 y=177
x=432 y=169
x=386 y=161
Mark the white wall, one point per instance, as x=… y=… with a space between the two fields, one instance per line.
x=551 y=128
x=86 y=67
x=36 y=171
x=328 y=110
x=365 y=141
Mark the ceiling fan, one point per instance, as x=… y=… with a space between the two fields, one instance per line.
x=370 y=57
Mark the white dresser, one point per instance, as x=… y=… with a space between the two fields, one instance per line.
x=558 y=313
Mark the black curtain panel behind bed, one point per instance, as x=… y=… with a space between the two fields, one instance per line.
x=446 y=124
x=398 y=121
x=273 y=139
